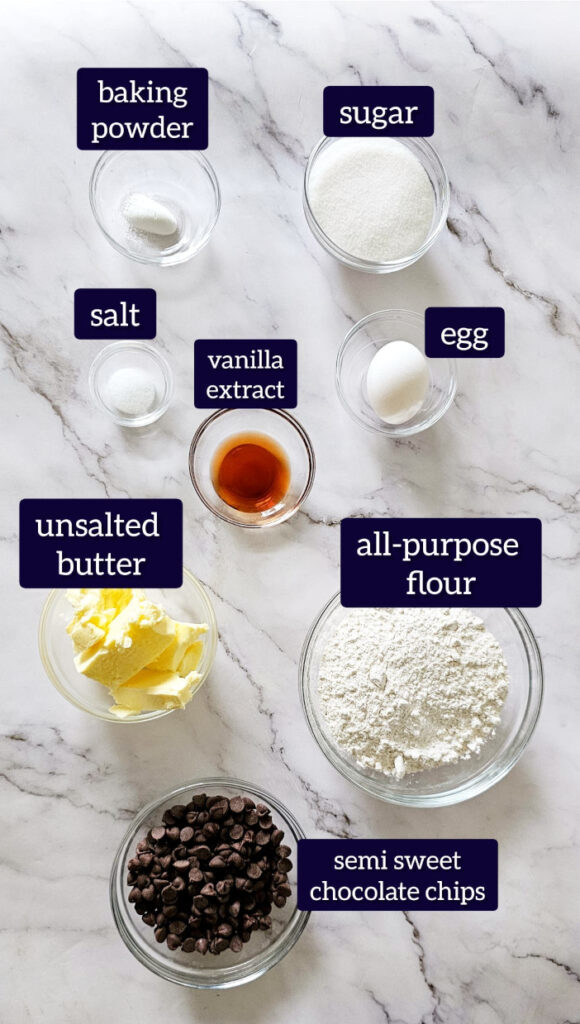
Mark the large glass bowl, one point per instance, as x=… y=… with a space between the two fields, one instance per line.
x=436 y=173
x=265 y=948
x=188 y=603
x=438 y=787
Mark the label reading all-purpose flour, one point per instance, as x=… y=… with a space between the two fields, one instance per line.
x=142 y=108
x=68 y=542
x=397 y=874
x=252 y=374
x=438 y=563
x=378 y=110
x=128 y=314
x=464 y=332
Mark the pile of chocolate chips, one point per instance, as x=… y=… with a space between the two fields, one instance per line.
x=207 y=878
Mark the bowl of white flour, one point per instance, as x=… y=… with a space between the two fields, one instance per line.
x=421 y=706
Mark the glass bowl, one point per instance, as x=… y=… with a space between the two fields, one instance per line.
x=182 y=180
x=450 y=784
x=131 y=355
x=186 y=603
x=430 y=161
x=276 y=424
x=359 y=347
x=226 y=970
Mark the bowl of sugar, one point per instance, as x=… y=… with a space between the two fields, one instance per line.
x=377 y=204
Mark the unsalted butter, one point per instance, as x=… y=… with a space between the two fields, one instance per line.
x=128 y=643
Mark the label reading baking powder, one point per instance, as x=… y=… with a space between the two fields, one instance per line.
x=438 y=563
x=69 y=542
x=378 y=110
x=464 y=332
x=245 y=373
x=397 y=874
x=142 y=108
x=128 y=314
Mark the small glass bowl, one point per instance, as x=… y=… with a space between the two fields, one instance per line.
x=278 y=425
x=450 y=784
x=429 y=159
x=188 y=603
x=131 y=355
x=183 y=181
x=359 y=347
x=263 y=951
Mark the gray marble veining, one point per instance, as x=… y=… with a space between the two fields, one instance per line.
x=507 y=128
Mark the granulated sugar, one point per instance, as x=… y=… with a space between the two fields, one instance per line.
x=406 y=689
x=372 y=198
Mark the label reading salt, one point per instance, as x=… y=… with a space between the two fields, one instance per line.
x=245 y=373
x=397 y=874
x=378 y=110
x=464 y=332
x=438 y=563
x=129 y=314
x=125 y=542
x=142 y=108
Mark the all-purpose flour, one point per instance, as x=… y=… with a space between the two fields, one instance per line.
x=372 y=197
x=405 y=689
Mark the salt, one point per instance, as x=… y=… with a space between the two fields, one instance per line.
x=372 y=198
x=132 y=392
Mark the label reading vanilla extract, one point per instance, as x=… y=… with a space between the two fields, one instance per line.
x=245 y=374
x=142 y=108
x=123 y=542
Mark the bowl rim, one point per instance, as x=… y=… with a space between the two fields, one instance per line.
x=173 y=259
x=390 y=429
x=146 y=716
x=470 y=788
x=217 y=978
x=110 y=351
x=430 y=155
x=274 y=520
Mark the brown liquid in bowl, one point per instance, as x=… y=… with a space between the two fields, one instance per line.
x=250 y=472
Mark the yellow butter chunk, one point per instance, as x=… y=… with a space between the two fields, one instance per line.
x=128 y=643
x=152 y=690
x=184 y=652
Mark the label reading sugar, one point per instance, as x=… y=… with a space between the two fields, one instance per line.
x=119 y=313
x=397 y=874
x=142 y=108
x=245 y=373
x=438 y=563
x=465 y=332
x=69 y=542
x=378 y=110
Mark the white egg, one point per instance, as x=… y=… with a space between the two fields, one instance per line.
x=397 y=381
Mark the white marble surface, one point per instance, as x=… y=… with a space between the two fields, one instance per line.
x=506 y=80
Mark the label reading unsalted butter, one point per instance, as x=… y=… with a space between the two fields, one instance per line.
x=100 y=542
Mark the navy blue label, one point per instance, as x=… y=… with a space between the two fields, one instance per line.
x=397 y=874
x=465 y=332
x=438 y=563
x=254 y=374
x=142 y=108
x=69 y=542
x=121 y=313
x=378 y=110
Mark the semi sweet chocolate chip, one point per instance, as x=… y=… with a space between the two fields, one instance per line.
x=208 y=877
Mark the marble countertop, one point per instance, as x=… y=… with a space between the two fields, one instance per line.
x=506 y=82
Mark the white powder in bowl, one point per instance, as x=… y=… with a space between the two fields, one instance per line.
x=372 y=198
x=132 y=392
x=406 y=689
